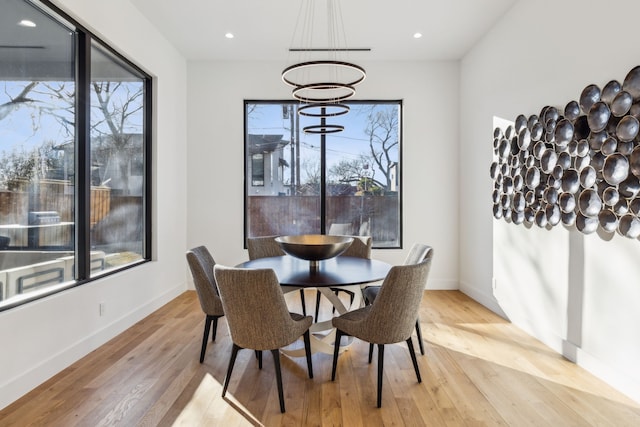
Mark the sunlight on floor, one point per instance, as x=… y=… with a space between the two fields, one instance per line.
x=487 y=342
x=206 y=407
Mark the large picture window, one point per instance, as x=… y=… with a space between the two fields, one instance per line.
x=74 y=151
x=335 y=183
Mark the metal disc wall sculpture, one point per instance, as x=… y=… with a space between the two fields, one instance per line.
x=578 y=166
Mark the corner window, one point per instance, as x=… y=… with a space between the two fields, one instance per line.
x=335 y=183
x=74 y=151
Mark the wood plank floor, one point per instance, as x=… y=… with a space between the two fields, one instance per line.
x=478 y=370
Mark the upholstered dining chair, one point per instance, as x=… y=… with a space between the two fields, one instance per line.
x=201 y=264
x=263 y=247
x=266 y=247
x=359 y=248
x=258 y=318
x=391 y=317
x=418 y=253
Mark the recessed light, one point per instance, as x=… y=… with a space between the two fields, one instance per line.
x=27 y=23
x=229 y=35
x=417 y=35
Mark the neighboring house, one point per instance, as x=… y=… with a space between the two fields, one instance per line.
x=119 y=168
x=266 y=165
x=393 y=171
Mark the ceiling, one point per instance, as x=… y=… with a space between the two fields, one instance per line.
x=264 y=29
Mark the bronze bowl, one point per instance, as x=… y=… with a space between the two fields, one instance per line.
x=314 y=247
x=610 y=90
x=590 y=95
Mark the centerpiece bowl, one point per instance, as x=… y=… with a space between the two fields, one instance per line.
x=314 y=247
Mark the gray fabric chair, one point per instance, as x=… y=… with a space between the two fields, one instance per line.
x=258 y=318
x=418 y=253
x=201 y=264
x=266 y=247
x=263 y=247
x=391 y=317
x=359 y=248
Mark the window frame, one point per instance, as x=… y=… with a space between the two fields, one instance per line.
x=323 y=194
x=83 y=39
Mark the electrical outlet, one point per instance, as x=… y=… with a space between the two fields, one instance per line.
x=102 y=308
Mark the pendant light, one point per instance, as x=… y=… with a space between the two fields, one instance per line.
x=321 y=78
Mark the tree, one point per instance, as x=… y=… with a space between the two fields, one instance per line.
x=311 y=169
x=27 y=165
x=116 y=120
x=15 y=101
x=382 y=131
x=349 y=171
x=116 y=104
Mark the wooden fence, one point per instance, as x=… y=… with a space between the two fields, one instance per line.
x=281 y=215
x=46 y=195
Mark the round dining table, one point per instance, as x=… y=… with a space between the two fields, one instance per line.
x=348 y=273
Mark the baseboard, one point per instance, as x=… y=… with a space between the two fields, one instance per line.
x=26 y=381
x=618 y=380
x=486 y=299
x=442 y=285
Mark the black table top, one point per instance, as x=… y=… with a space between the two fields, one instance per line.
x=338 y=271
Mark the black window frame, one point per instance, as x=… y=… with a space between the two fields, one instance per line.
x=83 y=45
x=323 y=195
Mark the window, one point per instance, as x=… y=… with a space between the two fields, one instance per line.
x=336 y=183
x=257 y=170
x=74 y=172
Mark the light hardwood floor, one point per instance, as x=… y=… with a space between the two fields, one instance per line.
x=478 y=370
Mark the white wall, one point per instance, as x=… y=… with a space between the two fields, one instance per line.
x=579 y=294
x=43 y=337
x=429 y=154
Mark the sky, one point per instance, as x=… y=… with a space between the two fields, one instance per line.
x=348 y=144
x=27 y=125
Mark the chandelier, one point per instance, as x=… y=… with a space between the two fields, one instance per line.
x=321 y=78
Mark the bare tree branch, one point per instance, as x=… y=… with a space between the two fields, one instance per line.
x=7 y=107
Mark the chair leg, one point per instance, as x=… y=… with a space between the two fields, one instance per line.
x=207 y=328
x=232 y=361
x=215 y=328
x=317 y=305
x=380 y=364
x=276 y=362
x=370 y=352
x=304 y=305
x=351 y=297
x=259 y=357
x=307 y=350
x=419 y=334
x=413 y=359
x=336 y=350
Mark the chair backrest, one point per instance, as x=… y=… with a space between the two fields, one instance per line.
x=395 y=310
x=255 y=308
x=263 y=247
x=417 y=253
x=340 y=229
x=360 y=247
x=201 y=264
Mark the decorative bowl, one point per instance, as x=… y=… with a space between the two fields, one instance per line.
x=314 y=247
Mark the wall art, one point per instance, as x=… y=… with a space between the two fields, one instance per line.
x=578 y=166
